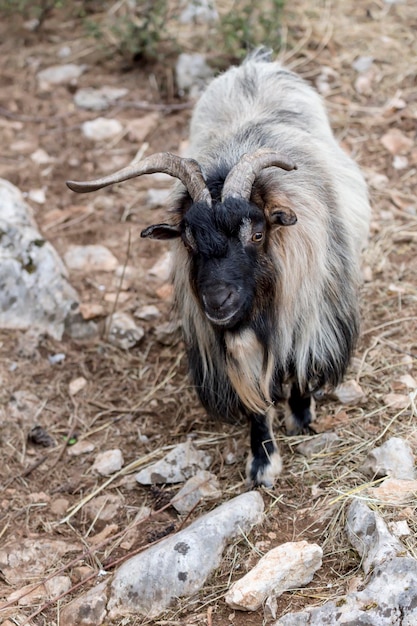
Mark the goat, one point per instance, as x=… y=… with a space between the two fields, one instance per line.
x=267 y=229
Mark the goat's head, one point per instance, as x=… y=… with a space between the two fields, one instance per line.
x=227 y=240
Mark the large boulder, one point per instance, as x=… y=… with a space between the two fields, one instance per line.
x=34 y=288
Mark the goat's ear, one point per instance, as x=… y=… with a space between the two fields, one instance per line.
x=161 y=231
x=284 y=216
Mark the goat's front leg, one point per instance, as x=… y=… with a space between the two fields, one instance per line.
x=264 y=462
x=300 y=411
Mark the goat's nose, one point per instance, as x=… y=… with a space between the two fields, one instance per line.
x=218 y=297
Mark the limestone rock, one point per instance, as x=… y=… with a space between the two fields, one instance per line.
x=29 y=558
x=184 y=461
x=349 y=392
x=369 y=535
x=104 y=508
x=60 y=75
x=91 y=258
x=35 y=292
x=203 y=486
x=98 y=99
x=101 y=128
x=394 y=458
x=192 y=73
x=88 y=609
x=108 y=462
x=318 y=444
x=290 y=565
x=390 y=596
x=395 y=491
x=178 y=566
x=123 y=331
x=162 y=268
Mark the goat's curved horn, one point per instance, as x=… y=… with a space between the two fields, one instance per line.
x=240 y=179
x=188 y=171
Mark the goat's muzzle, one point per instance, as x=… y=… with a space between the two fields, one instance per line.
x=221 y=303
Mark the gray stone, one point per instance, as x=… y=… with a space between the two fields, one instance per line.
x=60 y=74
x=147 y=312
x=108 y=462
x=123 y=331
x=35 y=292
x=369 y=535
x=90 y=258
x=88 y=609
x=101 y=129
x=394 y=458
x=288 y=566
x=203 y=486
x=98 y=99
x=389 y=597
x=184 y=461
x=199 y=11
x=178 y=566
x=349 y=392
x=318 y=444
x=192 y=73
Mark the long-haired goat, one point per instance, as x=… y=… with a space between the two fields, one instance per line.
x=267 y=229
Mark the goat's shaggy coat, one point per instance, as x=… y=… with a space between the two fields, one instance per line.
x=267 y=286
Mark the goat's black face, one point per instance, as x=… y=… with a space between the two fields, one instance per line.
x=226 y=244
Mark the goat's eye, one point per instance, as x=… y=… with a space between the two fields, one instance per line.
x=258 y=237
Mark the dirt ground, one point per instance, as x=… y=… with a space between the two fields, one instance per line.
x=140 y=400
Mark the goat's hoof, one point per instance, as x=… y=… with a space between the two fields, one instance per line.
x=263 y=472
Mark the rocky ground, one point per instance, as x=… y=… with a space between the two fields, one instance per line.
x=72 y=510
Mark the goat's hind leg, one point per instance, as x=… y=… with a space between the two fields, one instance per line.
x=300 y=411
x=264 y=462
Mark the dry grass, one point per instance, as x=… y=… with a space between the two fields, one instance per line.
x=141 y=400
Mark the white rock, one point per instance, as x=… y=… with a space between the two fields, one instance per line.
x=41 y=157
x=184 y=461
x=148 y=312
x=192 y=73
x=203 y=486
x=199 y=10
x=162 y=268
x=35 y=290
x=81 y=447
x=76 y=385
x=88 y=609
x=318 y=444
x=123 y=331
x=369 y=535
x=289 y=566
x=394 y=458
x=179 y=565
x=139 y=128
x=91 y=258
x=349 y=392
x=108 y=462
x=400 y=528
x=104 y=508
x=397 y=401
x=57 y=585
x=389 y=597
x=394 y=491
x=37 y=195
x=60 y=74
x=98 y=99
x=28 y=559
x=101 y=128
x=363 y=63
